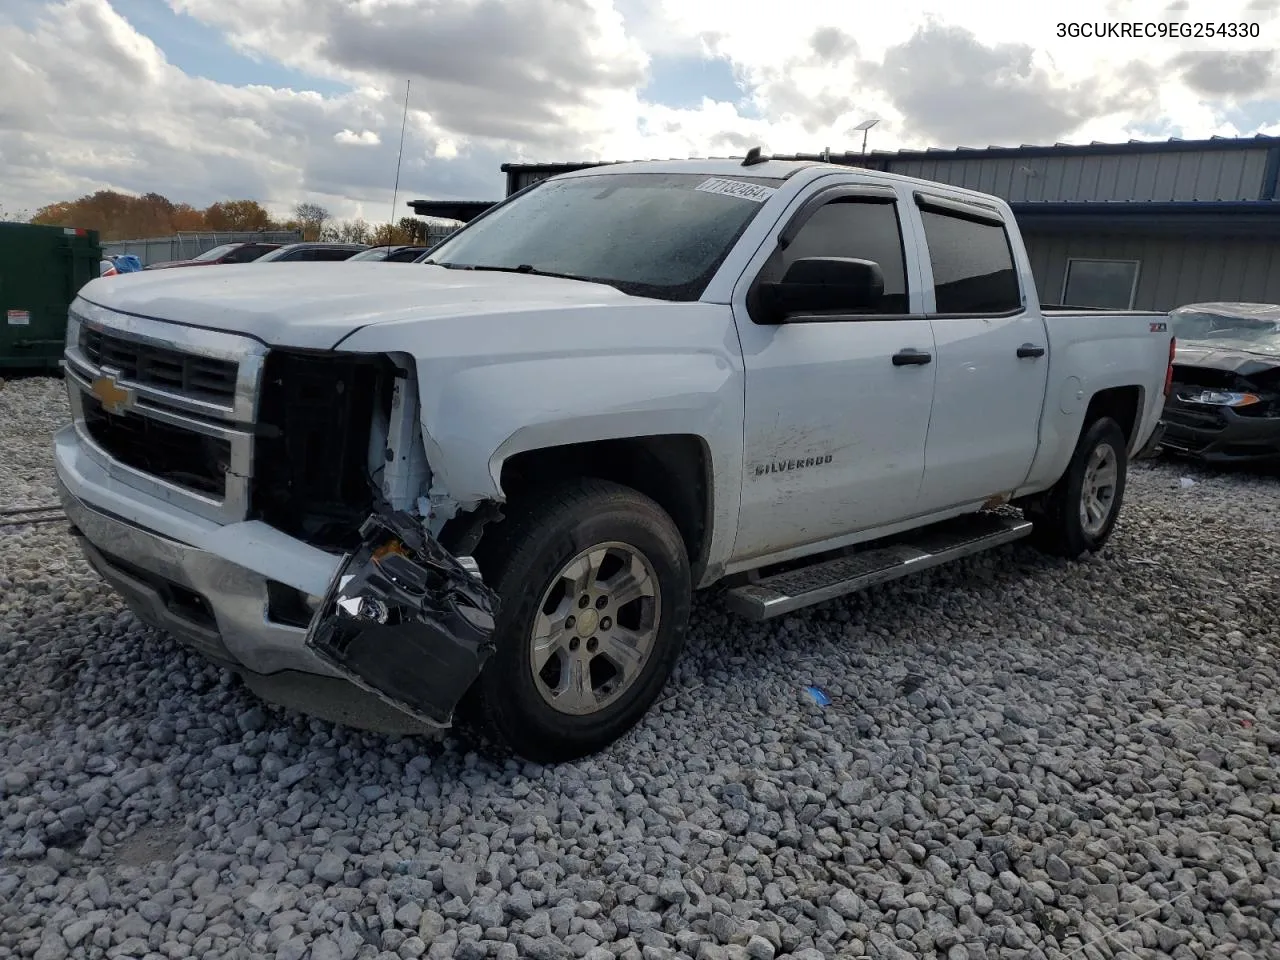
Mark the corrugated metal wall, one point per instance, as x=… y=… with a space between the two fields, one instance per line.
x=1160 y=176
x=1167 y=175
x=519 y=179
x=1173 y=270
x=184 y=246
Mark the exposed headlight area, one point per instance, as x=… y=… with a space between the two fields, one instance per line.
x=337 y=437
x=312 y=477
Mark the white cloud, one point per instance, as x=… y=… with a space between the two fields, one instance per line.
x=365 y=138
x=86 y=101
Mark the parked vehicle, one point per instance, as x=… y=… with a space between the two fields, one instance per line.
x=391 y=254
x=307 y=252
x=1225 y=403
x=492 y=485
x=223 y=253
x=112 y=266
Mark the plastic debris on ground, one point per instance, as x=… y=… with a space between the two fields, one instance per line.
x=818 y=696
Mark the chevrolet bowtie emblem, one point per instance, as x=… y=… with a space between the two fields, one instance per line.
x=113 y=397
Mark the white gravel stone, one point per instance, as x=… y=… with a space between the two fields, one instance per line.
x=1021 y=754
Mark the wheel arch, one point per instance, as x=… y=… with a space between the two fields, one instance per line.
x=1123 y=404
x=673 y=470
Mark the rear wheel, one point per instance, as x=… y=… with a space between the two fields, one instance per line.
x=595 y=590
x=1079 y=513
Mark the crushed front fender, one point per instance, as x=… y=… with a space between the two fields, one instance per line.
x=405 y=620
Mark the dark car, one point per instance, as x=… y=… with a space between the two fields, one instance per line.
x=224 y=253
x=1225 y=402
x=391 y=254
x=299 y=252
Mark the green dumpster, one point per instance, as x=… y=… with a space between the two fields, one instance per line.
x=41 y=270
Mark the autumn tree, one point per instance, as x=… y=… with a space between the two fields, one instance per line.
x=122 y=216
x=13 y=216
x=237 y=215
x=114 y=215
x=311 y=217
x=348 y=231
x=388 y=234
x=414 y=229
x=186 y=218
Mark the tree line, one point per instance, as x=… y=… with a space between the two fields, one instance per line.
x=121 y=216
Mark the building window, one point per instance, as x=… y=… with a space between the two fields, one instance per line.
x=1111 y=284
x=973 y=270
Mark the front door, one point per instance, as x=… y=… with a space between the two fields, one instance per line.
x=835 y=428
x=991 y=360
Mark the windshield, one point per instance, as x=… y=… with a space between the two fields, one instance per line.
x=216 y=252
x=648 y=234
x=277 y=253
x=1253 y=328
x=377 y=253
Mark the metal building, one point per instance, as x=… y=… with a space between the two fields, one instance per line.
x=1148 y=225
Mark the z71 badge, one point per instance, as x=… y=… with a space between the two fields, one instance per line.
x=1159 y=326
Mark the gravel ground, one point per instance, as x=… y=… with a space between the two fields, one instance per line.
x=1022 y=758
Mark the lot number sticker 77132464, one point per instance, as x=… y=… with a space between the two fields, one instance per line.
x=755 y=192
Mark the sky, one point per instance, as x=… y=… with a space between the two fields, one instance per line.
x=287 y=101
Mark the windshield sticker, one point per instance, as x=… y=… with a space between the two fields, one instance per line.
x=754 y=192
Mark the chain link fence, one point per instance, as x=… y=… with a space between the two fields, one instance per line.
x=184 y=246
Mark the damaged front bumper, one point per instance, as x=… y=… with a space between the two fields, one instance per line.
x=406 y=620
x=1221 y=435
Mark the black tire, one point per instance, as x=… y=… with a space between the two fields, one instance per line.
x=521 y=559
x=1059 y=528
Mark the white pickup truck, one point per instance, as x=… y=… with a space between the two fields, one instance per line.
x=487 y=486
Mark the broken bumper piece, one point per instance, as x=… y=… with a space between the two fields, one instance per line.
x=406 y=620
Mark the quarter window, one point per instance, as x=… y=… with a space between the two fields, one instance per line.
x=856 y=228
x=973 y=271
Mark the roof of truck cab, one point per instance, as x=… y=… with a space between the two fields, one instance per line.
x=773 y=169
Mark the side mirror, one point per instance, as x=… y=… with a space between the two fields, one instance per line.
x=821 y=285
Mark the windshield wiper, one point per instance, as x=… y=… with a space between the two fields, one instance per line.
x=522 y=268
x=531 y=270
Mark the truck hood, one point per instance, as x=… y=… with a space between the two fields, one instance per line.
x=1245 y=359
x=316 y=305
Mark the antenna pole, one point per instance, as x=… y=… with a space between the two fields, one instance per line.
x=395 y=192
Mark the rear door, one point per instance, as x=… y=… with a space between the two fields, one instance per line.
x=835 y=428
x=991 y=355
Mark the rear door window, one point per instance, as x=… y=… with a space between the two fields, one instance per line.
x=973 y=268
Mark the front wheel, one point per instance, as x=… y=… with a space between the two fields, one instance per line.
x=1079 y=513
x=595 y=591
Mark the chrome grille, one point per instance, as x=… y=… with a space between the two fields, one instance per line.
x=146 y=364
x=168 y=409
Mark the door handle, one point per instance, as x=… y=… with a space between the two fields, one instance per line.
x=1030 y=350
x=912 y=358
